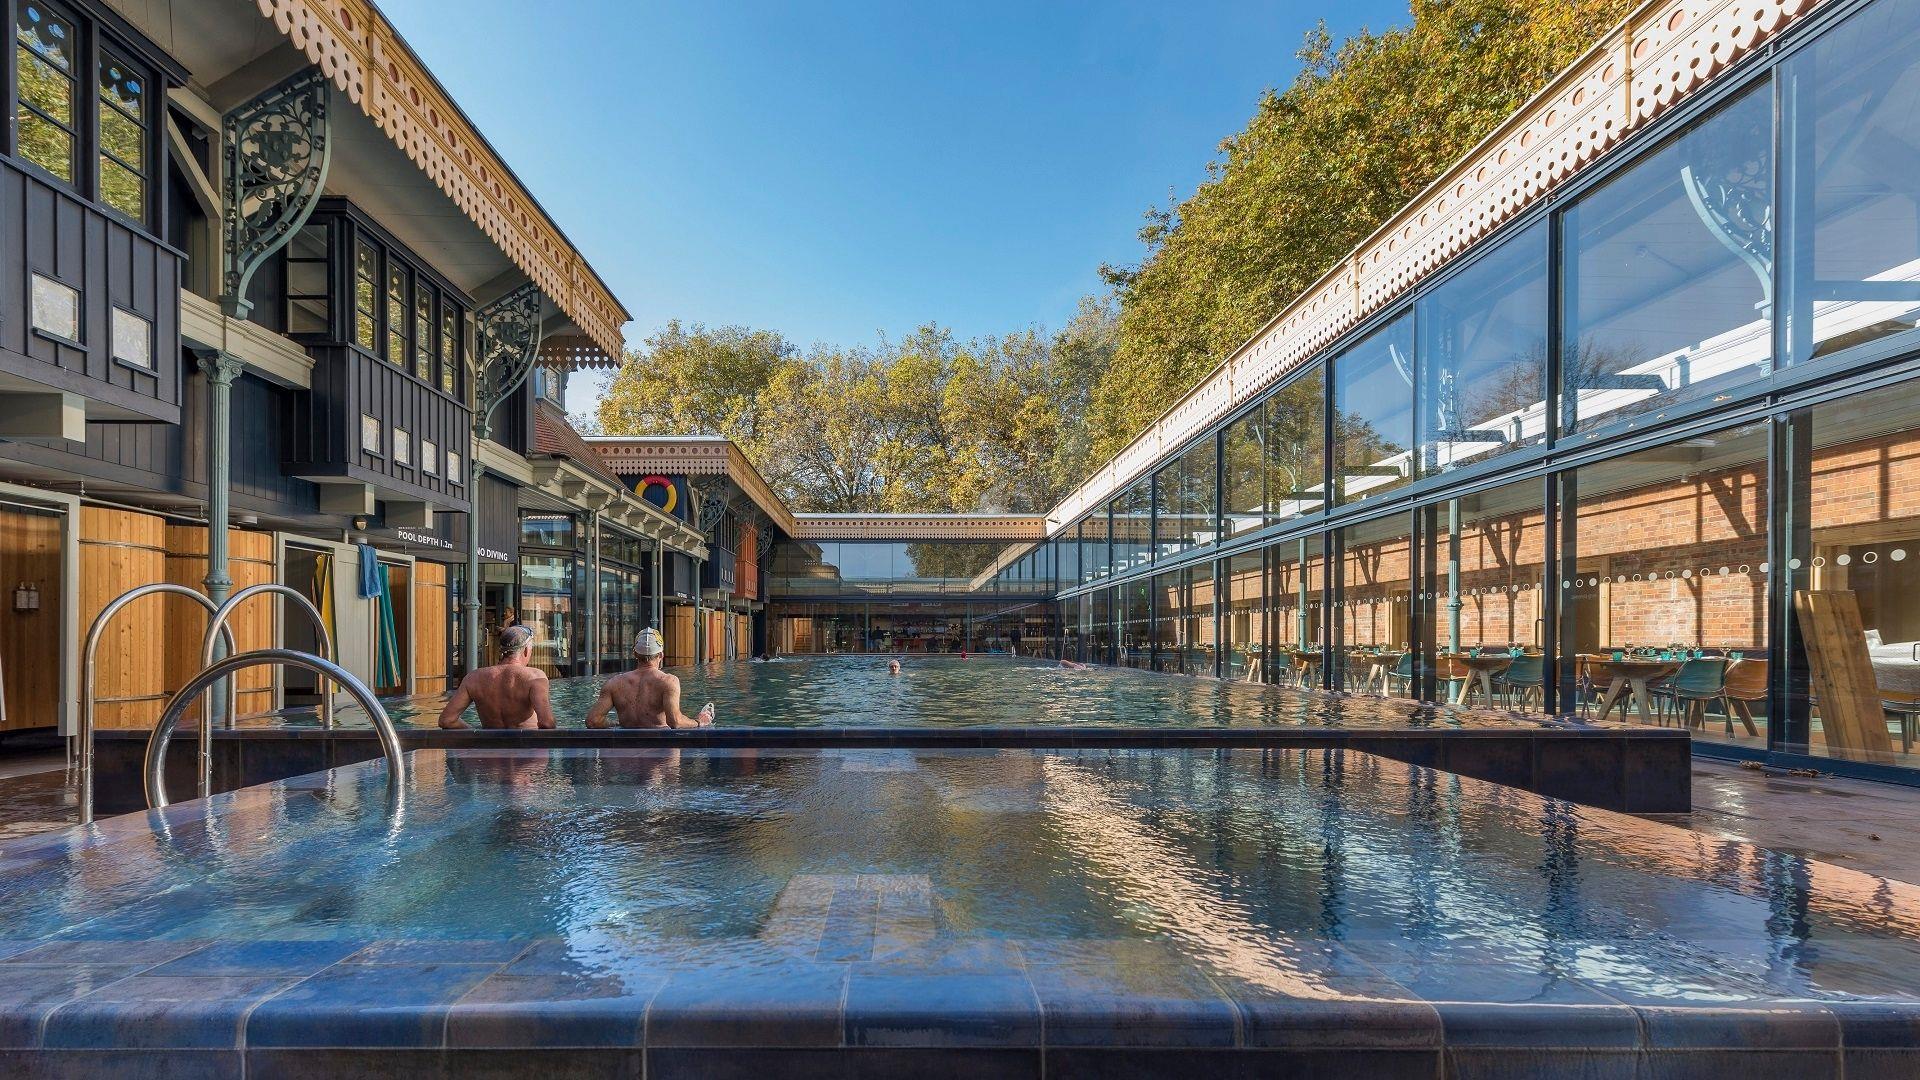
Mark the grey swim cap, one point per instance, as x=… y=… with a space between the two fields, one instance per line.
x=649 y=643
x=515 y=638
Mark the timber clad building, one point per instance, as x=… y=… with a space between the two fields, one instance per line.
x=1632 y=391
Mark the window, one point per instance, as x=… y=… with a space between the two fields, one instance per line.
x=402 y=447
x=1487 y=554
x=1273 y=465
x=309 y=309
x=1667 y=269
x=1245 y=607
x=449 y=348
x=45 y=59
x=1851 y=194
x=56 y=308
x=1667 y=564
x=1373 y=413
x=550 y=384
x=1132 y=526
x=429 y=456
x=454 y=473
x=132 y=339
x=370 y=434
x=423 y=336
x=1483 y=356
x=396 y=313
x=1184 y=490
x=1296 y=573
x=546 y=530
x=366 y=296
x=1374 y=648
x=123 y=137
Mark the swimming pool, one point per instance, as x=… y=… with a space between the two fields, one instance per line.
x=945 y=691
x=718 y=912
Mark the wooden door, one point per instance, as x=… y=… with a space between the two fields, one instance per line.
x=679 y=632
x=249 y=562
x=30 y=640
x=430 y=625
x=120 y=549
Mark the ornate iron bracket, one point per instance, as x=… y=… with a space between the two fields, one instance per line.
x=713 y=507
x=277 y=148
x=763 y=541
x=509 y=332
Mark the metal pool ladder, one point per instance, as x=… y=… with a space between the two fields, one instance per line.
x=88 y=677
x=156 y=761
x=217 y=631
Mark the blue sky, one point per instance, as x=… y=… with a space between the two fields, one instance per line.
x=835 y=171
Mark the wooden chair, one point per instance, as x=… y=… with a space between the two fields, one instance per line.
x=1745 y=683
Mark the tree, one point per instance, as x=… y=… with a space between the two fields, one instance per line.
x=1363 y=128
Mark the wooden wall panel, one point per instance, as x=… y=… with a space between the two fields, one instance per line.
x=30 y=642
x=120 y=549
x=679 y=630
x=249 y=562
x=430 y=625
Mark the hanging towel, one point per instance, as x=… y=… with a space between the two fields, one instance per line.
x=369 y=572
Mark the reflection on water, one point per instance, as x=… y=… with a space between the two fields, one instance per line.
x=850 y=691
x=1302 y=873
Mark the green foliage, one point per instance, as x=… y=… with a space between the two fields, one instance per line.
x=927 y=423
x=1365 y=126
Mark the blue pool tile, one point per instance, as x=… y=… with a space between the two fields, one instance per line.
x=1512 y=1006
x=172 y=1064
x=142 y=953
x=552 y=1011
x=948 y=956
x=150 y=1012
x=1882 y=1024
x=440 y=952
x=778 y=1004
x=1307 y=1012
x=941 y=1010
x=365 y=1005
x=261 y=958
x=1768 y=1026
x=28 y=994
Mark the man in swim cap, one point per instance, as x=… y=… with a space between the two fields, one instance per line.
x=645 y=697
x=893 y=667
x=509 y=694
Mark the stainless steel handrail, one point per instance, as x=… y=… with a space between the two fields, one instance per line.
x=87 y=679
x=226 y=611
x=155 y=772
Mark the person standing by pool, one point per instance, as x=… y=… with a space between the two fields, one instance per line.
x=509 y=694
x=645 y=697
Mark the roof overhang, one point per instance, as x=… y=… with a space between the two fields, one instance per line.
x=697 y=455
x=1008 y=528
x=572 y=487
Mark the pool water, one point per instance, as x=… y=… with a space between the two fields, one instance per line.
x=858 y=691
x=1284 y=871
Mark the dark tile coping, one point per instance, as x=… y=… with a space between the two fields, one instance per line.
x=1136 y=1017
x=1629 y=769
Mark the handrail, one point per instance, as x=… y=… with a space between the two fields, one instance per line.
x=155 y=772
x=87 y=679
x=226 y=611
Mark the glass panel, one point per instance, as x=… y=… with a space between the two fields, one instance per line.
x=546 y=530
x=1170 y=626
x=883 y=567
x=1184 y=490
x=123 y=190
x=44 y=62
x=423 y=334
x=370 y=433
x=1133 y=602
x=546 y=605
x=1095 y=559
x=1373 y=407
x=132 y=338
x=1273 y=468
x=449 y=348
x=455 y=472
x=1852 y=193
x=366 y=293
x=1487 y=552
x=56 y=308
x=429 y=456
x=1133 y=526
x=1483 y=356
x=1667 y=567
x=396 y=316
x=1864 y=545
x=309 y=244
x=1246 y=616
x=1667 y=269
x=1375 y=648
x=402 y=447
x=1296 y=578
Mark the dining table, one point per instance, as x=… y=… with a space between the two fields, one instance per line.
x=1628 y=678
x=1376 y=663
x=1481 y=669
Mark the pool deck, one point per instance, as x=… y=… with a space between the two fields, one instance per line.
x=851 y=977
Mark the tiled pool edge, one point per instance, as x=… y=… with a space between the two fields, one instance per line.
x=861 y=1019
x=1632 y=770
